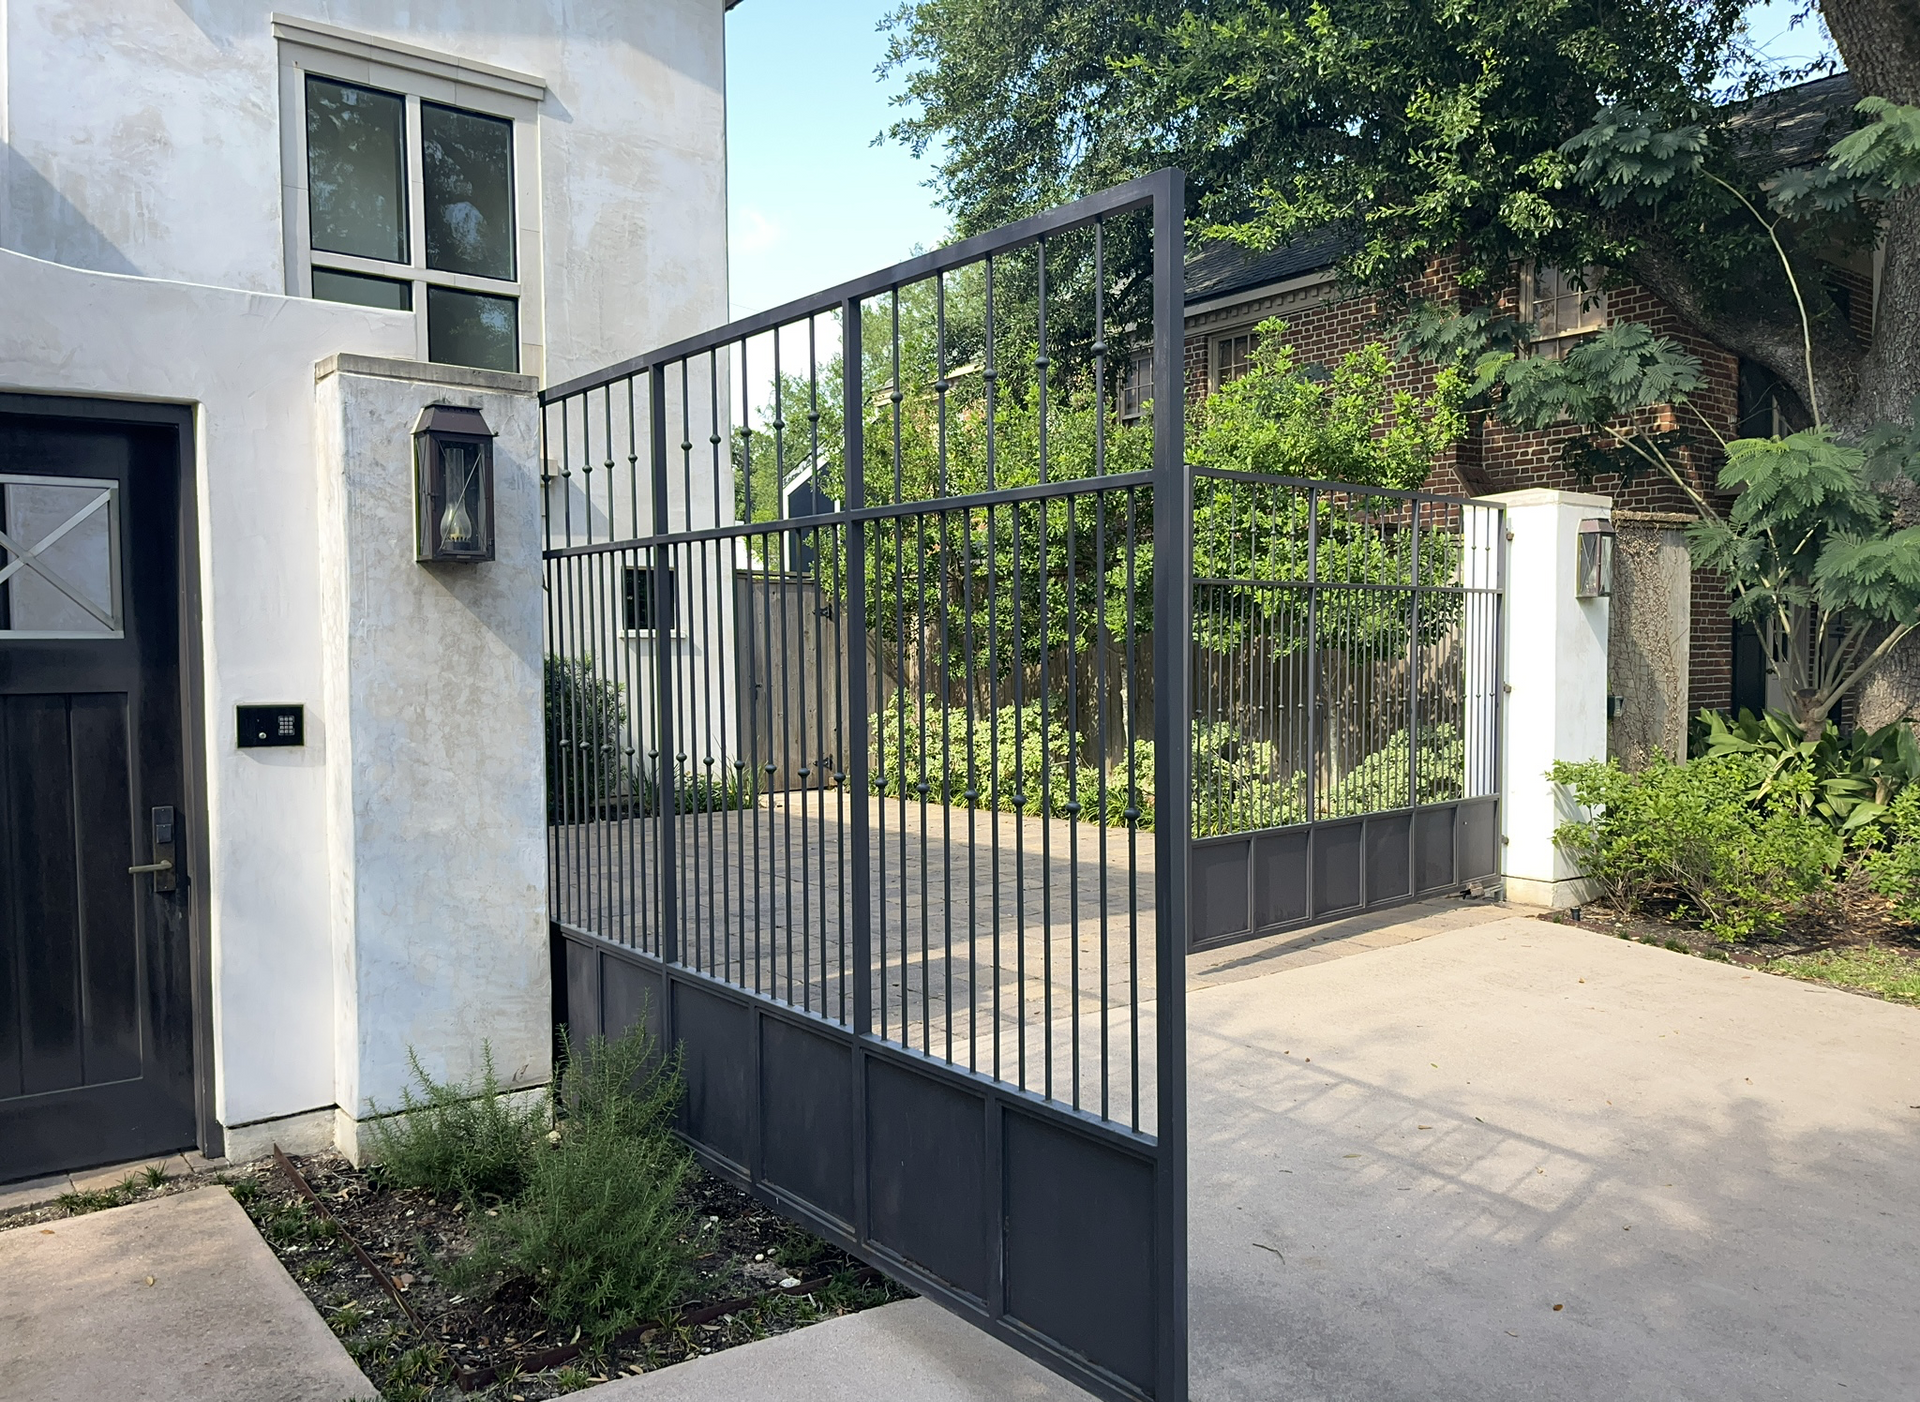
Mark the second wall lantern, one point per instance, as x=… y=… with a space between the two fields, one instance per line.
x=1593 y=561
x=453 y=485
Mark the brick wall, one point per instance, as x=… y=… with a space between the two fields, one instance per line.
x=1710 y=671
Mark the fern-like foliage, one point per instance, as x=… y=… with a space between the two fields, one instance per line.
x=1872 y=164
x=1631 y=153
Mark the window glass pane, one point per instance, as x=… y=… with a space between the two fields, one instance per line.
x=467 y=328
x=58 y=561
x=468 y=167
x=637 y=614
x=356 y=170
x=362 y=291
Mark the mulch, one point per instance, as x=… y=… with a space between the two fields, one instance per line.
x=1848 y=916
x=754 y=1275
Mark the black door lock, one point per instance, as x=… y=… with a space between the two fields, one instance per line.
x=166 y=876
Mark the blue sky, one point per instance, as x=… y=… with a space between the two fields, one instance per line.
x=813 y=202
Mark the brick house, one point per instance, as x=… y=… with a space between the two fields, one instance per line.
x=1676 y=648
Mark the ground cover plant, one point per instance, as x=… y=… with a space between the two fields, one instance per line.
x=1889 y=973
x=515 y=1226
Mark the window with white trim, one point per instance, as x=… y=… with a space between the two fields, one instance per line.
x=1563 y=311
x=1232 y=356
x=409 y=188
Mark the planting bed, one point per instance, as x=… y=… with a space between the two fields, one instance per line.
x=754 y=1274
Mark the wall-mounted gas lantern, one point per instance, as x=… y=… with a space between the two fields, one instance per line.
x=453 y=485
x=1593 y=562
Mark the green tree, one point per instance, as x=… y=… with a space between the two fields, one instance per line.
x=1423 y=131
x=1348 y=425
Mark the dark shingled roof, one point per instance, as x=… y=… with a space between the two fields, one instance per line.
x=1216 y=270
x=1794 y=126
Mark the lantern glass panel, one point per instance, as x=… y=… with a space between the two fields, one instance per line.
x=1594 y=563
x=463 y=520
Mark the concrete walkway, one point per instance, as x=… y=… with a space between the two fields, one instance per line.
x=1530 y=1161
x=176 y=1299
x=912 y=1351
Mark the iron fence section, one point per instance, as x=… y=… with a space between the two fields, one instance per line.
x=1346 y=661
x=868 y=629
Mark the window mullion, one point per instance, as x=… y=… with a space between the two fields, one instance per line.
x=417 y=222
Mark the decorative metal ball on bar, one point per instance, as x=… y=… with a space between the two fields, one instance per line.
x=1594 y=560
x=453 y=485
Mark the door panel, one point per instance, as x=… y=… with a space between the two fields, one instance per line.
x=96 y=1007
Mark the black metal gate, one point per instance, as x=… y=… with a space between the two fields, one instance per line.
x=911 y=895
x=1347 y=680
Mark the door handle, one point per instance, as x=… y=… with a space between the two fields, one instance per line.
x=161 y=868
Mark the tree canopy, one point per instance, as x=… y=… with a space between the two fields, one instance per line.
x=1641 y=138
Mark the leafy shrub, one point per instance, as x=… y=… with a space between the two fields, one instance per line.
x=599 y=1228
x=592 y=772
x=1019 y=760
x=1237 y=783
x=1691 y=838
x=1379 y=781
x=1350 y=423
x=588 y=763
x=623 y=1083
x=1892 y=863
x=468 y=1141
x=1848 y=782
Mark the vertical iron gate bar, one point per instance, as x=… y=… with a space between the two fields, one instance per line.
x=860 y=785
x=664 y=786
x=1413 y=708
x=1173 y=825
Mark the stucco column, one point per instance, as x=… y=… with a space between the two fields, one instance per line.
x=432 y=707
x=1556 y=681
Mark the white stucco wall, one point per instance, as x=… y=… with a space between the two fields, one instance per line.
x=436 y=823
x=143 y=137
x=245 y=362
x=143 y=255
x=1556 y=702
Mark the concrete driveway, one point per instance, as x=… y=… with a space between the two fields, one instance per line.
x=1404 y=1161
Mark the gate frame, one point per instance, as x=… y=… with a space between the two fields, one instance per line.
x=654 y=987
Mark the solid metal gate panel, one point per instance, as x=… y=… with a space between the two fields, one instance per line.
x=1346 y=664
x=902 y=872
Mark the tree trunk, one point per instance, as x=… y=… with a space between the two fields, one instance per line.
x=1879 y=40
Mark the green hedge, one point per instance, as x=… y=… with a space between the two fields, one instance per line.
x=1690 y=840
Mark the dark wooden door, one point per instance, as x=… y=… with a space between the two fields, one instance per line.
x=96 y=1003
